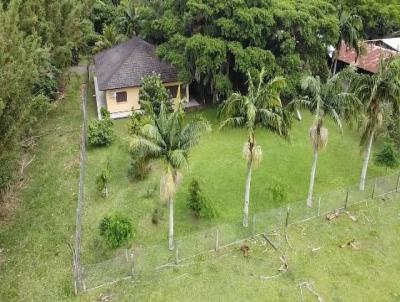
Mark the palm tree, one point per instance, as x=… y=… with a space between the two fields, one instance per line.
x=375 y=91
x=261 y=107
x=109 y=38
x=350 y=28
x=168 y=138
x=325 y=100
x=128 y=22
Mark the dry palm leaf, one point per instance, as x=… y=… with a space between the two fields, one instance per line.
x=319 y=137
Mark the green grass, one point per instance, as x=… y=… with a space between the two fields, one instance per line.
x=368 y=273
x=217 y=162
x=37 y=261
x=36 y=264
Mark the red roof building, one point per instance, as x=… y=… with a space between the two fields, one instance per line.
x=369 y=61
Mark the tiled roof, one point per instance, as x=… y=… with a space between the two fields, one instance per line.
x=368 y=61
x=127 y=63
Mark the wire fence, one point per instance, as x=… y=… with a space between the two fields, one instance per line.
x=146 y=259
x=76 y=248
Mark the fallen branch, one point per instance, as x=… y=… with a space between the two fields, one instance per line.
x=269 y=277
x=310 y=289
x=352 y=217
x=269 y=241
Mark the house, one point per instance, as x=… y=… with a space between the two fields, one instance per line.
x=388 y=43
x=119 y=73
x=367 y=62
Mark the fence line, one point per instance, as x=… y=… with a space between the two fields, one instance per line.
x=157 y=257
x=79 y=284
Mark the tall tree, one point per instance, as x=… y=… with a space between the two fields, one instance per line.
x=261 y=107
x=109 y=38
x=375 y=91
x=325 y=100
x=170 y=139
x=350 y=32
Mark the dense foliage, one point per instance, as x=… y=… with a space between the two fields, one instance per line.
x=100 y=132
x=388 y=157
x=38 y=39
x=152 y=93
x=116 y=230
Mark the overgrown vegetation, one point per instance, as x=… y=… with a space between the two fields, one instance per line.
x=199 y=203
x=116 y=230
x=100 y=132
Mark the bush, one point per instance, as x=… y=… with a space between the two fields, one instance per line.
x=103 y=179
x=277 y=192
x=116 y=230
x=157 y=215
x=152 y=93
x=105 y=114
x=137 y=120
x=198 y=203
x=388 y=157
x=140 y=168
x=100 y=132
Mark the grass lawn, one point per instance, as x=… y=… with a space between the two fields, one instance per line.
x=369 y=272
x=36 y=263
x=217 y=162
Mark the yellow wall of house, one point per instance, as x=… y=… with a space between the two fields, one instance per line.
x=132 y=98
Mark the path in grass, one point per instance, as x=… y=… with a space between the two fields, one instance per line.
x=37 y=261
x=370 y=272
x=217 y=162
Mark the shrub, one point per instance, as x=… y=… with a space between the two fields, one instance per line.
x=277 y=192
x=157 y=215
x=137 y=120
x=388 y=157
x=140 y=168
x=103 y=179
x=116 y=230
x=198 y=203
x=100 y=132
x=152 y=93
x=105 y=114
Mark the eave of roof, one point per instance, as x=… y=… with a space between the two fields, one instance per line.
x=368 y=61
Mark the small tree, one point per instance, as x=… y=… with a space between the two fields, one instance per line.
x=198 y=202
x=100 y=132
x=103 y=180
x=152 y=93
x=116 y=230
x=388 y=157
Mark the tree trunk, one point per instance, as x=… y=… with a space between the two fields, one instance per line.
x=312 y=179
x=335 y=66
x=247 y=196
x=366 y=161
x=171 y=245
x=298 y=113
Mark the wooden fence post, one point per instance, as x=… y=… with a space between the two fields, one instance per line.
x=374 y=188
x=217 y=241
x=347 y=199
x=176 y=254
x=398 y=183
x=319 y=206
x=254 y=225
x=132 y=265
x=287 y=216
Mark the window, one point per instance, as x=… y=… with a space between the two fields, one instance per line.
x=173 y=91
x=121 y=96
